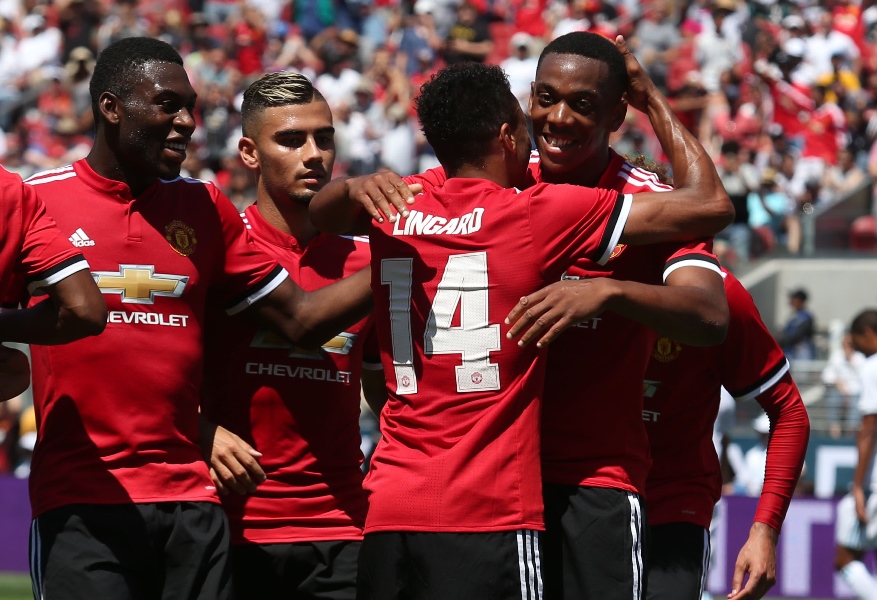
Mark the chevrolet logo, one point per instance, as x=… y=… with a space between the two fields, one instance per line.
x=139 y=284
x=340 y=344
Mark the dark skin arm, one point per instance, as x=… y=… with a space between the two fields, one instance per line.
x=690 y=308
x=14 y=373
x=699 y=206
x=347 y=204
x=74 y=309
x=374 y=390
x=233 y=463
x=309 y=319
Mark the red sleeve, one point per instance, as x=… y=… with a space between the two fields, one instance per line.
x=750 y=360
x=46 y=256
x=790 y=432
x=569 y=222
x=247 y=273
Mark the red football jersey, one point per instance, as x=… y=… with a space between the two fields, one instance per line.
x=592 y=429
x=118 y=413
x=460 y=445
x=299 y=407
x=33 y=252
x=681 y=400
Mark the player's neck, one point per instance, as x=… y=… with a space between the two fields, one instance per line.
x=288 y=217
x=588 y=175
x=105 y=163
x=494 y=169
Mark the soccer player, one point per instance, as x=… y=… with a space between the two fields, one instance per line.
x=298 y=534
x=595 y=448
x=455 y=495
x=123 y=504
x=681 y=397
x=856 y=524
x=34 y=255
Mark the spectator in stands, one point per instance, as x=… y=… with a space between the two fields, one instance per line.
x=826 y=42
x=656 y=40
x=769 y=210
x=841 y=379
x=739 y=181
x=469 y=37
x=520 y=67
x=796 y=337
x=843 y=178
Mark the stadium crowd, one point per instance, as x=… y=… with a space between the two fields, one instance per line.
x=782 y=94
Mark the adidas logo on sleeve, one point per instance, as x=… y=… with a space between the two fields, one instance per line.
x=80 y=239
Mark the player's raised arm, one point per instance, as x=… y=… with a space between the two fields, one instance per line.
x=699 y=206
x=310 y=318
x=347 y=204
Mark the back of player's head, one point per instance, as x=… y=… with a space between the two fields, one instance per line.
x=275 y=89
x=867 y=319
x=120 y=63
x=594 y=46
x=462 y=109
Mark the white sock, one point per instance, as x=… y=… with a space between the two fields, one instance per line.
x=860 y=580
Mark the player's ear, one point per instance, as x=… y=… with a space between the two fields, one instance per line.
x=109 y=106
x=507 y=137
x=249 y=153
x=619 y=113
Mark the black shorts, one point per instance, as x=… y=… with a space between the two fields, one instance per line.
x=500 y=565
x=300 y=570
x=679 y=556
x=164 y=550
x=593 y=545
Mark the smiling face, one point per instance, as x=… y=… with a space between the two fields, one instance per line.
x=575 y=106
x=295 y=149
x=155 y=123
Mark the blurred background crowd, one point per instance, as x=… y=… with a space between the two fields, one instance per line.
x=783 y=94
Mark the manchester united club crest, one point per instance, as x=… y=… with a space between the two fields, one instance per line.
x=616 y=252
x=666 y=350
x=181 y=237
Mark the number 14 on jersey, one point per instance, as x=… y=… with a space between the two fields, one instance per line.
x=463 y=285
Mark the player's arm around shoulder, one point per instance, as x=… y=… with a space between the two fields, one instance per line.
x=309 y=319
x=691 y=307
x=347 y=204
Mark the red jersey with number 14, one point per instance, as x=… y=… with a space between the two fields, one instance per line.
x=299 y=408
x=33 y=252
x=117 y=413
x=460 y=445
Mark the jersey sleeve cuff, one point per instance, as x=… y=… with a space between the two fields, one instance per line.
x=767 y=382
x=62 y=270
x=692 y=260
x=615 y=228
x=264 y=287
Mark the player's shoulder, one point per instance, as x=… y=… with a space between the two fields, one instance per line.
x=633 y=179
x=50 y=176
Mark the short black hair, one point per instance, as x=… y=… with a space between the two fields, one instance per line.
x=462 y=108
x=867 y=319
x=117 y=66
x=595 y=46
x=800 y=294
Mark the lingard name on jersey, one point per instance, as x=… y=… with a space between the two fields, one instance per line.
x=420 y=223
